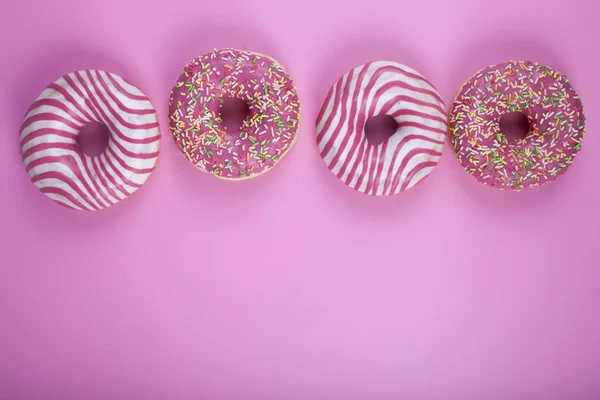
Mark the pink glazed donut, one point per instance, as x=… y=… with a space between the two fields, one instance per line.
x=55 y=162
x=409 y=155
x=264 y=138
x=550 y=103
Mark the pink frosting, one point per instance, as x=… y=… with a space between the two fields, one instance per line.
x=552 y=106
x=265 y=136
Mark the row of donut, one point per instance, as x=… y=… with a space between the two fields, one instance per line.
x=59 y=168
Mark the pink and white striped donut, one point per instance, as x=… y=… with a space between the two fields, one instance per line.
x=409 y=155
x=53 y=159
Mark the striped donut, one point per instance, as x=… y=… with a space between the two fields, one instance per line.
x=53 y=159
x=409 y=155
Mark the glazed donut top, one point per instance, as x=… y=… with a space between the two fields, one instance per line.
x=555 y=113
x=264 y=138
x=53 y=159
x=409 y=155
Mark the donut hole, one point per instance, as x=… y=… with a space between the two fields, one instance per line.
x=515 y=126
x=233 y=113
x=380 y=128
x=93 y=139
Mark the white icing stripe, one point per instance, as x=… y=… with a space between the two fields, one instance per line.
x=409 y=155
x=106 y=99
x=53 y=159
x=419 y=176
x=130 y=89
x=63 y=200
x=97 y=168
x=141 y=105
x=62 y=167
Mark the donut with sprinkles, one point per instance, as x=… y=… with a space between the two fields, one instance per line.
x=552 y=107
x=266 y=135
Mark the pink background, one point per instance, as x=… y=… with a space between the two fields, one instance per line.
x=292 y=286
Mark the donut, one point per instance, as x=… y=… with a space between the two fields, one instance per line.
x=265 y=136
x=556 y=119
x=56 y=164
x=409 y=155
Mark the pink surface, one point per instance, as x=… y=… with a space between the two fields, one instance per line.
x=293 y=286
